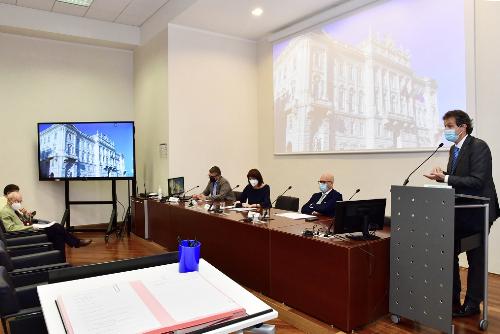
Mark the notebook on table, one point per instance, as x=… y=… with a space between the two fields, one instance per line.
x=169 y=303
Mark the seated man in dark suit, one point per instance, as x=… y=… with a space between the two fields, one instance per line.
x=323 y=203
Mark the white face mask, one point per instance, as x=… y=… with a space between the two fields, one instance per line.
x=253 y=182
x=16 y=206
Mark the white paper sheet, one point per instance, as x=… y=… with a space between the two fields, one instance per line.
x=242 y=209
x=182 y=298
x=294 y=215
x=112 y=309
x=42 y=226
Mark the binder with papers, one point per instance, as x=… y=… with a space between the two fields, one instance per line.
x=169 y=303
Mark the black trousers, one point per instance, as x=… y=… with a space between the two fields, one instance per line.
x=475 y=276
x=468 y=223
x=58 y=235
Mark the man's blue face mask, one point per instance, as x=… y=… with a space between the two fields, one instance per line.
x=323 y=187
x=451 y=135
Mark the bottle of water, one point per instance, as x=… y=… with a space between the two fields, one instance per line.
x=159 y=193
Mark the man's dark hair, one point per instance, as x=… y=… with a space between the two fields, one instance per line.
x=461 y=118
x=10 y=188
x=215 y=170
x=255 y=174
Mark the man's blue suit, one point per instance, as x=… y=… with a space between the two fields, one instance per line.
x=327 y=206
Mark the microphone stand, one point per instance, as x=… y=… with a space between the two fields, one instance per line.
x=183 y=199
x=357 y=191
x=423 y=162
x=266 y=215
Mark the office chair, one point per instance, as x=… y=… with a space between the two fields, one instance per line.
x=287 y=203
x=237 y=194
x=27 y=269
x=19 y=307
x=98 y=269
x=26 y=245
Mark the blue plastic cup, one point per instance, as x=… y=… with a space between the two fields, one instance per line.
x=189 y=255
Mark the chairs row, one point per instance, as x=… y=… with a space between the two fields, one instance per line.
x=19 y=304
x=283 y=202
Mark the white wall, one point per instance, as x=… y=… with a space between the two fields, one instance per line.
x=44 y=81
x=151 y=111
x=212 y=105
x=375 y=173
x=488 y=99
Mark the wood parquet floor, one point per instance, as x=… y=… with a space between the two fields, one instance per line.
x=289 y=320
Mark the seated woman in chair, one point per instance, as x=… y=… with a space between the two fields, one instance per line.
x=257 y=193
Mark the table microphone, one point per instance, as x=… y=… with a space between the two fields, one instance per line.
x=289 y=187
x=184 y=193
x=423 y=162
x=357 y=191
x=237 y=186
x=267 y=212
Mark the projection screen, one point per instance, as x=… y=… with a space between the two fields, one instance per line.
x=379 y=79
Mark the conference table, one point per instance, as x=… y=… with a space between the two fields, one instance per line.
x=338 y=281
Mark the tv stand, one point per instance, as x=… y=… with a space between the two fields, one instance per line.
x=112 y=226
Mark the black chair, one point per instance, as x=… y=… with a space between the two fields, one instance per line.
x=24 y=245
x=287 y=203
x=13 y=312
x=27 y=269
x=19 y=307
x=91 y=270
x=237 y=195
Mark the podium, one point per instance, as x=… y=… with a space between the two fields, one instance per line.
x=422 y=252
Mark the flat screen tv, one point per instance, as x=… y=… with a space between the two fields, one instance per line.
x=86 y=151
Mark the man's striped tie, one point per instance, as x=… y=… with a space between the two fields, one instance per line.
x=455 y=159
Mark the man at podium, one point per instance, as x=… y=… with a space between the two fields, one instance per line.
x=469 y=171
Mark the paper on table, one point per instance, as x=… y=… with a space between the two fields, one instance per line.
x=294 y=215
x=166 y=303
x=111 y=309
x=242 y=209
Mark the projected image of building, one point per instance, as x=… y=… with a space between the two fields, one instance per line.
x=65 y=151
x=332 y=96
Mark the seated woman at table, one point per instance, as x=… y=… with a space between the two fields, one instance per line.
x=256 y=192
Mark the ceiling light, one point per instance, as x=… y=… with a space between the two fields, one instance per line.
x=257 y=11
x=85 y=3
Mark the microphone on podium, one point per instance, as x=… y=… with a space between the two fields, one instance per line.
x=423 y=162
x=357 y=191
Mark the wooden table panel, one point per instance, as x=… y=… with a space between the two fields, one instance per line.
x=310 y=276
x=138 y=219
x=340 y=282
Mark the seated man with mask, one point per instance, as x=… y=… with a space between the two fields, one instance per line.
x=218 y=188
x=323 y=203
x=56 y=233
x=23 y=214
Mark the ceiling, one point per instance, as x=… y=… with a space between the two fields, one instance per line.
x=129 y=23
x=233 y=17
x=129 y=12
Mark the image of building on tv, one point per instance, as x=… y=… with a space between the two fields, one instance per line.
x=68 y=151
